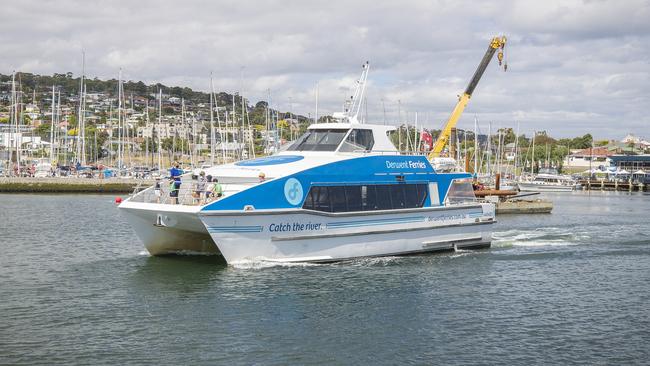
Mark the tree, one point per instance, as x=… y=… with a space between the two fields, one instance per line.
x=149 y=143
x=167 y=143
x=43 y=130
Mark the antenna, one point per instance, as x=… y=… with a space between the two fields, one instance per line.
x=352 y=107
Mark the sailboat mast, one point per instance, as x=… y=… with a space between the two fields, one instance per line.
x=532 y=167
x=11 y=120
x=52 y=126
x=212 y=134
x=119 y=120
x=80 y=122
x=148 y=124
x=476 y=149
x=514 y=170
x=158 y=129
x=316 y=114
x=489 y=148
x=268 y=122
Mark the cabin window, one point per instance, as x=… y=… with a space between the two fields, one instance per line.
x=461 y=191
x=384 y=201
x=337 y=199
x=370 y=197
x=358 y=140
x=321 y=201
x=435 y=195
x=397 y=195
x=319 y=140
x=353 y=195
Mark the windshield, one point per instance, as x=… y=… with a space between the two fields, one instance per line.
x=318 y=140
x=358 y=140
x=461 y=191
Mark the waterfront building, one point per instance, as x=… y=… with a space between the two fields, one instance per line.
x=630 y=163
x=585 y=158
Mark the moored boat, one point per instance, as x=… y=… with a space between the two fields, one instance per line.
x=547 y=181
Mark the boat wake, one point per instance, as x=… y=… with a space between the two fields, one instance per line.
x=548 y=236
x=262 y=263
x=373 y=261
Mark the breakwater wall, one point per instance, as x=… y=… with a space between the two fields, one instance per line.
x=70 y=185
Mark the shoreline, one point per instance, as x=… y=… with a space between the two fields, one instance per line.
x=70 y=185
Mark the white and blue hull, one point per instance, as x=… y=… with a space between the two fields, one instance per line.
x=309 y=236
x=319 y=206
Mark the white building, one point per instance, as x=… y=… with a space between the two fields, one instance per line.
x=586 y=158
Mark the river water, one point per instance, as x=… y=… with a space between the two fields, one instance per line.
x=572 y=287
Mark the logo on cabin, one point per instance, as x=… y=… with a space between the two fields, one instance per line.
x=405 y=164
x=293 y=191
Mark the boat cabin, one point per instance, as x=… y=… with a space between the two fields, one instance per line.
x=344 y=138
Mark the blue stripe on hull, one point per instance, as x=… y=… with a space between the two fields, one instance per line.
x=359 y=223
x=234 y=229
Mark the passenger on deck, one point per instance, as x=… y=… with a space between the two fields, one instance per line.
x=217 y=190
x=175 y=174
x=262 y=177
x=200 y=191
x=214 y=189
x=157 y=190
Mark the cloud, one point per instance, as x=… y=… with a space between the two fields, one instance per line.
x=574 y=66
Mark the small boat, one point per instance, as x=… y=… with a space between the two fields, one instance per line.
x=548 y=180
x=43 y=169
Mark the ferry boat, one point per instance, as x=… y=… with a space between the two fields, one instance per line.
x=340 y=191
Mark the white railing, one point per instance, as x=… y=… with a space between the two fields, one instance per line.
x=187 y=194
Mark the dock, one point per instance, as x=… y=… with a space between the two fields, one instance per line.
x=70 y=185
x=607 y=185
x=511 y=202
x=517 y=206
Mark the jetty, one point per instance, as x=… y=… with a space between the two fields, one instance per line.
x=70 y=185
x=613 y=185
x=512 y=202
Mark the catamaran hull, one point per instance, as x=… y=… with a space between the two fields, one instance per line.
x=531 y=187
x=165 y=230
x=308 y=236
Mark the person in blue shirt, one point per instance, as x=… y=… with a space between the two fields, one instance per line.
x=175 y=174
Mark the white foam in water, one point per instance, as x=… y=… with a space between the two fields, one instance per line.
x=194 y=253
x=458 y=253
x=543 y=243
x=261 y=263
x=548 y=236
x=372 y=261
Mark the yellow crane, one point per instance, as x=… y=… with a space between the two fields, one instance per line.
x=497 y=43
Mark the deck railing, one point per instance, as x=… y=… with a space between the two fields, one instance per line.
x=186 y=194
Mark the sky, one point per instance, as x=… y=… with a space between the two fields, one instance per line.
x=574 y=67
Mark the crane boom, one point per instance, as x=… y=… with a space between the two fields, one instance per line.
x=495 y=44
